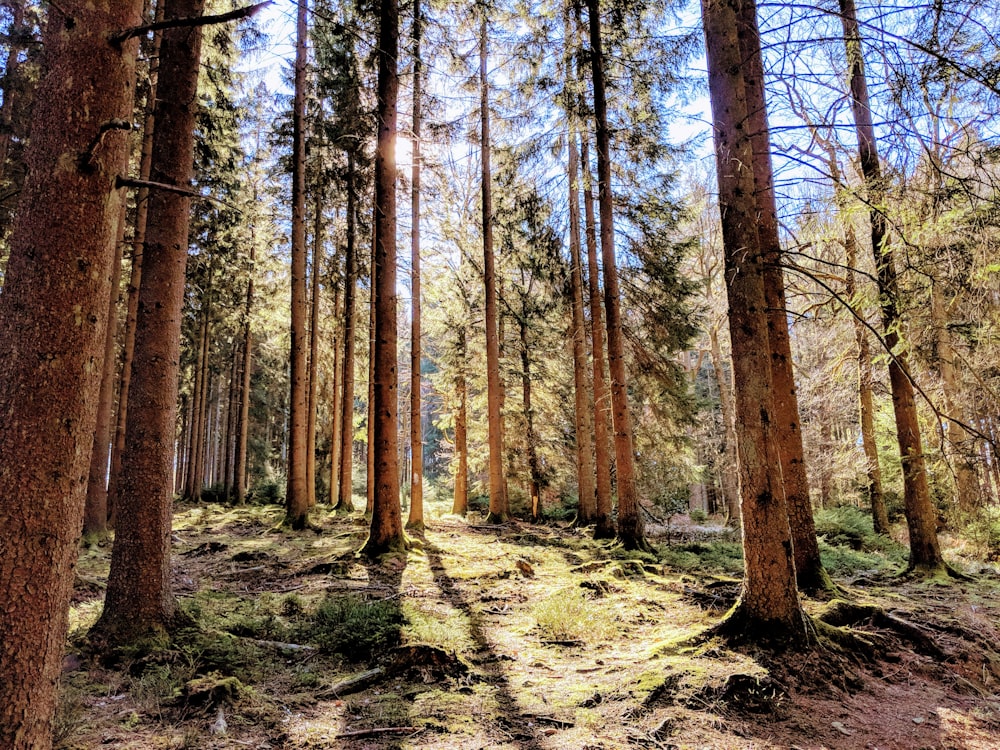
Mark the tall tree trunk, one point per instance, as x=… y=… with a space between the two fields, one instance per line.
x=314 y=348
x=460 y=504
x=416 y=518
x=370 y=445
x=730 y=488
x=959 y=445
x=387 y=522
x=345 y=501
x=135 y=279
x=534 y=480
x=336 y=405
x=866 y=374
x=232 y=422
x=195 y=471
x=582 y=404
x=10 y=74
x=921 y=520
x=243 y=431
x=499 y=510
x=95 y=514
x=297 y=492
x=139 y=598
x=604 y=527
x=53 y=314
x=630 y=525
x=812 y=578
x=768 y=608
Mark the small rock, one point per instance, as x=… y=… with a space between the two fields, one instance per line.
x=842 y=729
x=918 y=719
x=219 y=727
x=525 y=567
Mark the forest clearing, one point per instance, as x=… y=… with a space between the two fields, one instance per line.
x=521 y=636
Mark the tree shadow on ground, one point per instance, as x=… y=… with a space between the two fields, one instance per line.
x=509 y=715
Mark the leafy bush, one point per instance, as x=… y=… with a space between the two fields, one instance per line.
x=698 y=516
x=983 y=530
x=356 y=628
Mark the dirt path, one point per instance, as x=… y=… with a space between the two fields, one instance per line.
x=541 y=639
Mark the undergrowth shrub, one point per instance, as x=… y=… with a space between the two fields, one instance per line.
x=356 y=628
x=713 y=556
x=568 y=615
x=848 y=542
x=983 y=530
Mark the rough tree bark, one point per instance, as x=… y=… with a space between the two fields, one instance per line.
x=313 y=394
x=53 y=314
x=345 y=502
x=139 y=599
x=416 y=518
x=921 y=520
x=811 y=576
x=630 y=524
x=582 y=389
x=499 y=510
x=768 y=609
x=297 y=492
x=386 y=533
x=604 y=527
x=243 y=429
x=135 y=277
x=460 y=504
x=866 y=374
x=95 y=514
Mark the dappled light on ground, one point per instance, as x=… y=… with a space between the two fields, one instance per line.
x=522 y=637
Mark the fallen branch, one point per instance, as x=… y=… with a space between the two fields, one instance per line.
x=352 y=684
x=376 y=731
x=281 y=645
x=176 y=23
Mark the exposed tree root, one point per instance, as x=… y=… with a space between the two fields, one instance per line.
x=840 y=613
x=941 y=572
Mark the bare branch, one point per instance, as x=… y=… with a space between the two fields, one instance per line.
x=174 y=23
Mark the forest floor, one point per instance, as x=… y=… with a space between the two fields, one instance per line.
x=526 y=637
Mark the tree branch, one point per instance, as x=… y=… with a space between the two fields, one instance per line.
x=174 y=23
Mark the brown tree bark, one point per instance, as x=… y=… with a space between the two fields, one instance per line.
x=336 y=393
x=630 y=524
x=370 y=445
x=499 y=509
x=866 y=374
x=730 y=487
x=768 y=609
x=531 y=439
x=582 y=389
x=416 y=517
x=11 y=66
x=460 y=504
x=232 y=421
x=297 y=489
x=135 y=278
x=313 y=403
x=959 y=445
x=196 y=451
x=53 y=314
x=139 y=599
x=387 y=523
x=921 y=519
x=243 y=422
x=604 y=527
x=95 y=514
x=345 y=502
x=811 y=576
